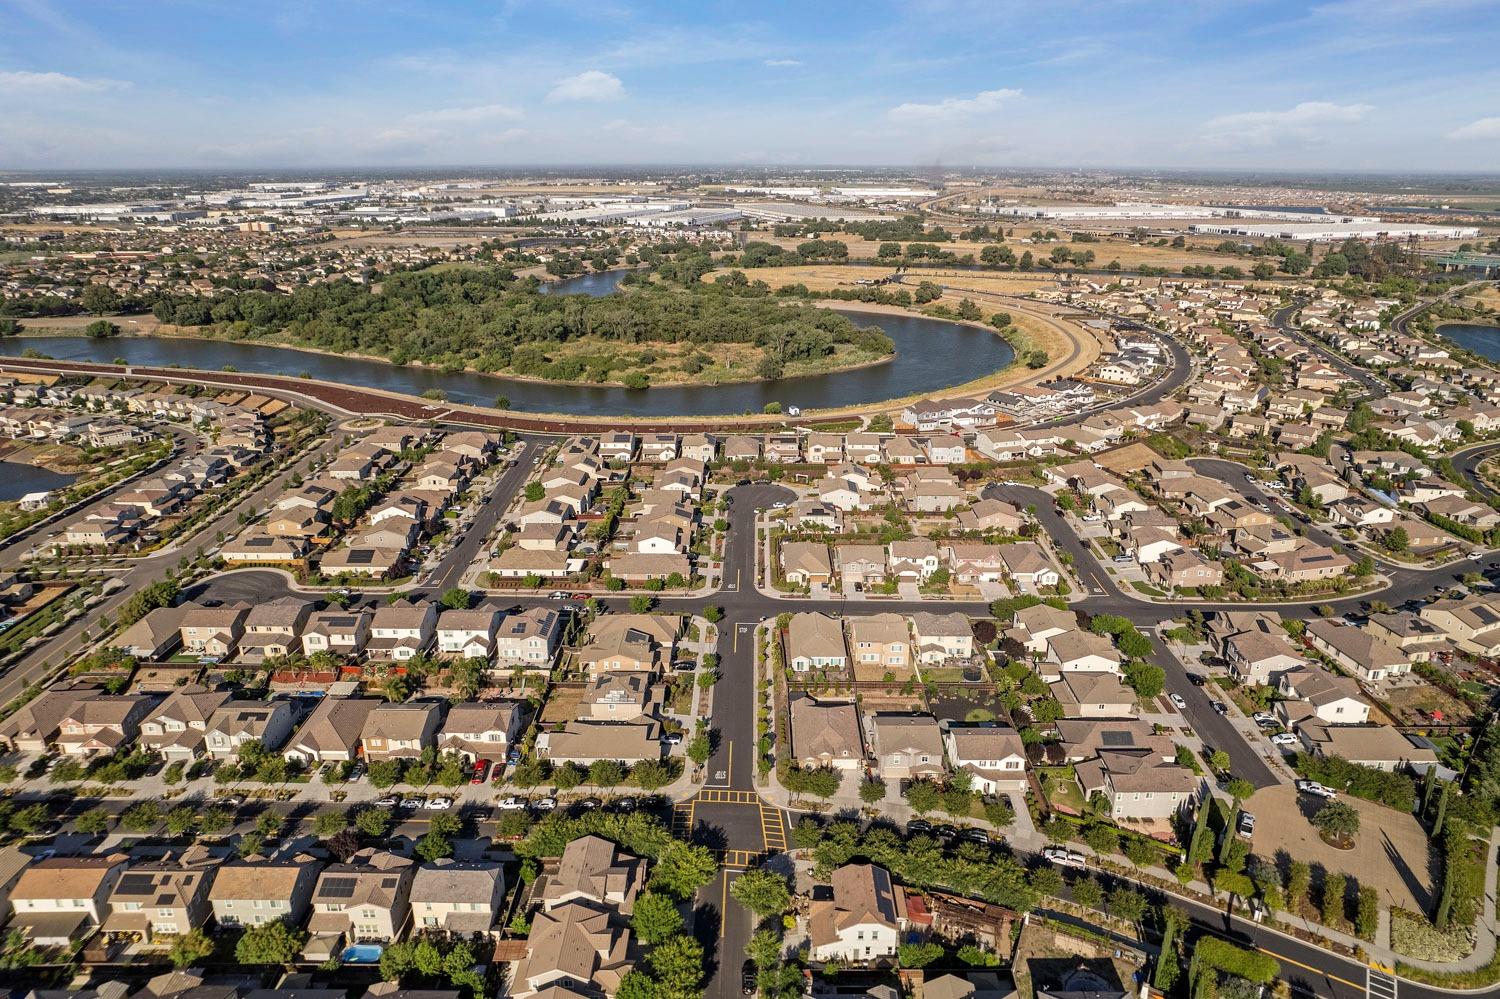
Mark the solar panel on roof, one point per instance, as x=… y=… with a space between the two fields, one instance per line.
x=136 y=884
x=339 y=887
x=1116 y=738
x=361 y=556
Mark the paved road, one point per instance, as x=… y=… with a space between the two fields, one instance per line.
x=152 y=569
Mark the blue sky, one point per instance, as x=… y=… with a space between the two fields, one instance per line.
x=1347 y=84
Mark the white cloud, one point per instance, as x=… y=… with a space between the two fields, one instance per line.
x=482 y=112
x=783 y=62
x=1307 y=122
x=1484 y=128
x=590 y=85
x=984 y=102
x=22 y=81
x=638 y=132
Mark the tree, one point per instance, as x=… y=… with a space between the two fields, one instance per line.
x=1298 y=880
x=1367 y=915
x=1337 y=821
x=100 y=299
x=637 y=985
x=1239 y=789
x=918 y=955
x=101 y=329
x=1088 y=893
x=432 y=847
x=923 y=796
x=683 y=868
x=700 y=748
x=655 y=918
x=373 y=822
x=713 y=614
x=92 y=822
x=275 y=942
x=1219 y=760
x=678 y=966
x=1127 y=903
x=762 y=891
x=190 y=948
x=1397 y=540
x=606 y=773
x=457 y=598
x=1146 y=679
x=872 y=790
x=641 y=603
x=1334 y=887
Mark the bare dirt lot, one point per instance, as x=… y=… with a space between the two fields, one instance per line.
x=1391 y=851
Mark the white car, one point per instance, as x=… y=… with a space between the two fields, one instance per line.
x=439 y=804
x=1262 y=718
x=1064 y=858
x=512 y=804
x=1284 y=739
x=546 y=804
x=1177 y=701
x=1314 y=788
x=1475 y=556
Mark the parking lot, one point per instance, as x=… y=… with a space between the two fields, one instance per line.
x=1391 y=851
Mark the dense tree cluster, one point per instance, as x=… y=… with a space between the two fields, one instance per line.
x=485 y=319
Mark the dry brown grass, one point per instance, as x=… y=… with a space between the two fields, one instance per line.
x=1130 y=255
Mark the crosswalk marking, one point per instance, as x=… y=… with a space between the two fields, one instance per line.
x=1379 y=984
x=724 y=796
x=772 y=828
x=682 y=819
x=738 y=859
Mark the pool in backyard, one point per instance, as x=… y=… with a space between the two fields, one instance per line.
x=362 y=953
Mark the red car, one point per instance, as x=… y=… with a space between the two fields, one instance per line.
x=481 y=771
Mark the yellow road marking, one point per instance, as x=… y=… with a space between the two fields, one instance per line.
x=729 y=771
x=736 y=646
x=1281 y=957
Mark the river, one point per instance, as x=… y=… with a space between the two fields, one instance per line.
x=1482 y=340
x=931 y=355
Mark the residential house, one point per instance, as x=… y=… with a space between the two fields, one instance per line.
x=1311 y=693
x=481 y=730
x=861 y=922
x=400 y=731
x=907 y=746
x=177 y=727
x=461 y=898
x=367 y=899
x=529 y=638
x=59 y=900
x=826 y=734
x=234 y=723
x=815 y=641
x=332 y=732
x=942 y=637
x=992 y=755
x=1357 y=650
x=402 y=630
x=880 y=644
x=256 y=891
x=163 y=898
x=101 y=723
x=806 y=563
x=467 y=634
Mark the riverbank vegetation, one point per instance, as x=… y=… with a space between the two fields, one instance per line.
x=490 y=321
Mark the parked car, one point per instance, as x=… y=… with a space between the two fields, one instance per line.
x=946 y=832
x=389 y=801
x=684 y=666
x=1177 y=701
x=1221 y=707
x=748 y=983
x=1314 y=788
x=1262 y=718
x=919 y=826
x=1197 y=679
x=1064 y=858
x=357 y=772
x=545 y=804
x=623 y=805
x=481 y=771
x=1246 y=825
x=976 y=835
x=439 y=804
x=672 y=739
x=588 y=804
x=513 y=756
x=412 y=803
x=1284 y=739
x=511 y=804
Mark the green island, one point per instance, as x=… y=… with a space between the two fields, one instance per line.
x=488 y=320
